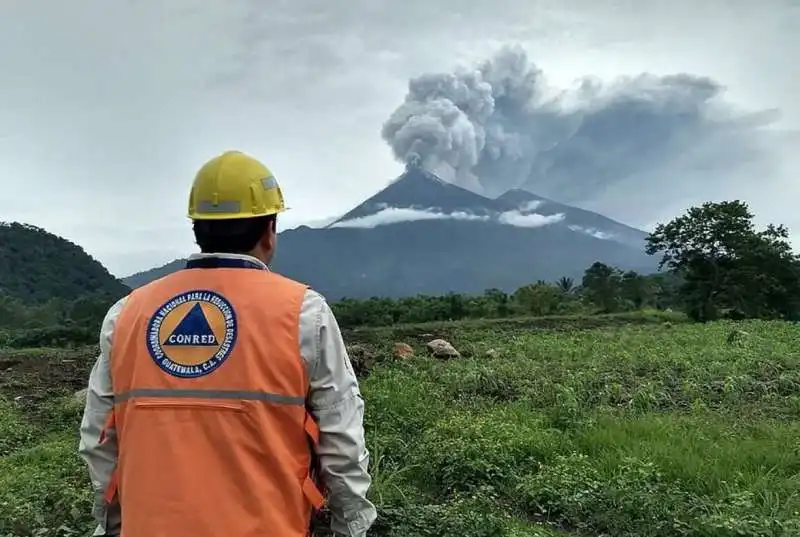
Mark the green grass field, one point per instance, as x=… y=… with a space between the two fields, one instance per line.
x=540 y=429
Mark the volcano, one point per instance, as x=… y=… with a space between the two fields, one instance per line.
x=422 y=235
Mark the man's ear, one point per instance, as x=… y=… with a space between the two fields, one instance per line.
x=268 y=238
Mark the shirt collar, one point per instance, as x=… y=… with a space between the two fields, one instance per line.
x=243 y=257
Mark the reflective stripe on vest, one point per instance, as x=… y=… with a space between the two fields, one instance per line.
x=210 y=394
x=209 y=405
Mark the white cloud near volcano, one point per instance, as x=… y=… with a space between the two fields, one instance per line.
x=397 y=215
x=596 y=233
x=518 y=219
x=394 y=215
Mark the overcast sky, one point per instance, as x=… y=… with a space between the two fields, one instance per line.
x=108 y=108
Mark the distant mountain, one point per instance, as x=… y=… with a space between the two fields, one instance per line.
x=36 y=265
x=146 y=276
x=423 y=235
x=577 y=219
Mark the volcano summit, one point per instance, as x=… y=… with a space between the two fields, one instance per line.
x=424 y=235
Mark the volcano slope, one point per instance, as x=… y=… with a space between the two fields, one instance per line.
x=539 y=428
x=422 y=235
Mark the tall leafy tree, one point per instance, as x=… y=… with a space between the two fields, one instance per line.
x=539 y=298
x=727 y=266
x=601 y=285
x=637 y=289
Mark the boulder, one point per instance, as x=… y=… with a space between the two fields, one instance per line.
x=442 y=349
x=403 y=350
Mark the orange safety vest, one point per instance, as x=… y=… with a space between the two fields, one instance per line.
x=209 y=406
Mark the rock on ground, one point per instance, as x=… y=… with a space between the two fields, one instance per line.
x=403 y=350
x=442 y=349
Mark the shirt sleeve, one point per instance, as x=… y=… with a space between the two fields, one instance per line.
x=335 y=402
x=101 y=459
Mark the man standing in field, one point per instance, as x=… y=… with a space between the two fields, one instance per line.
x=221 y=386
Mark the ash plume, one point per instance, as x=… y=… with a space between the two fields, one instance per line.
x=499 y=126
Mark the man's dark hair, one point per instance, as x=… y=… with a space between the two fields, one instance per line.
x=233 y=236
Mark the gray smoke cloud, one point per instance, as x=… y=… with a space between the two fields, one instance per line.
x=499 y=126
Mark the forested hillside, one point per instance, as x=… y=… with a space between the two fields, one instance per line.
x=37 y=266
x=46 y=280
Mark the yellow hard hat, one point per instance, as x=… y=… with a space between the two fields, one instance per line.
x=234 y=185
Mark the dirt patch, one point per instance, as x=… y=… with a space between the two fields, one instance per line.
x=44 y=373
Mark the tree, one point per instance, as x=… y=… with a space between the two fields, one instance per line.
x=496 y=296
x=666 y=290
x=601 y=285
x=456 y=305
x=539 y=298
x=567 y=285
x=637 y=289
x=728 y=267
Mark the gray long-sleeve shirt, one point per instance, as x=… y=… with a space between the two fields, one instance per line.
x=334 y=400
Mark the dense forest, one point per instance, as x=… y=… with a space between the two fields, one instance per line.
x=37 y=266
x=714 y=264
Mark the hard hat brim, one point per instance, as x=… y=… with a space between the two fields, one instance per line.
x=232 y=216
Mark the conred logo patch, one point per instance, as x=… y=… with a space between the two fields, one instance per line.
x=192 y=334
